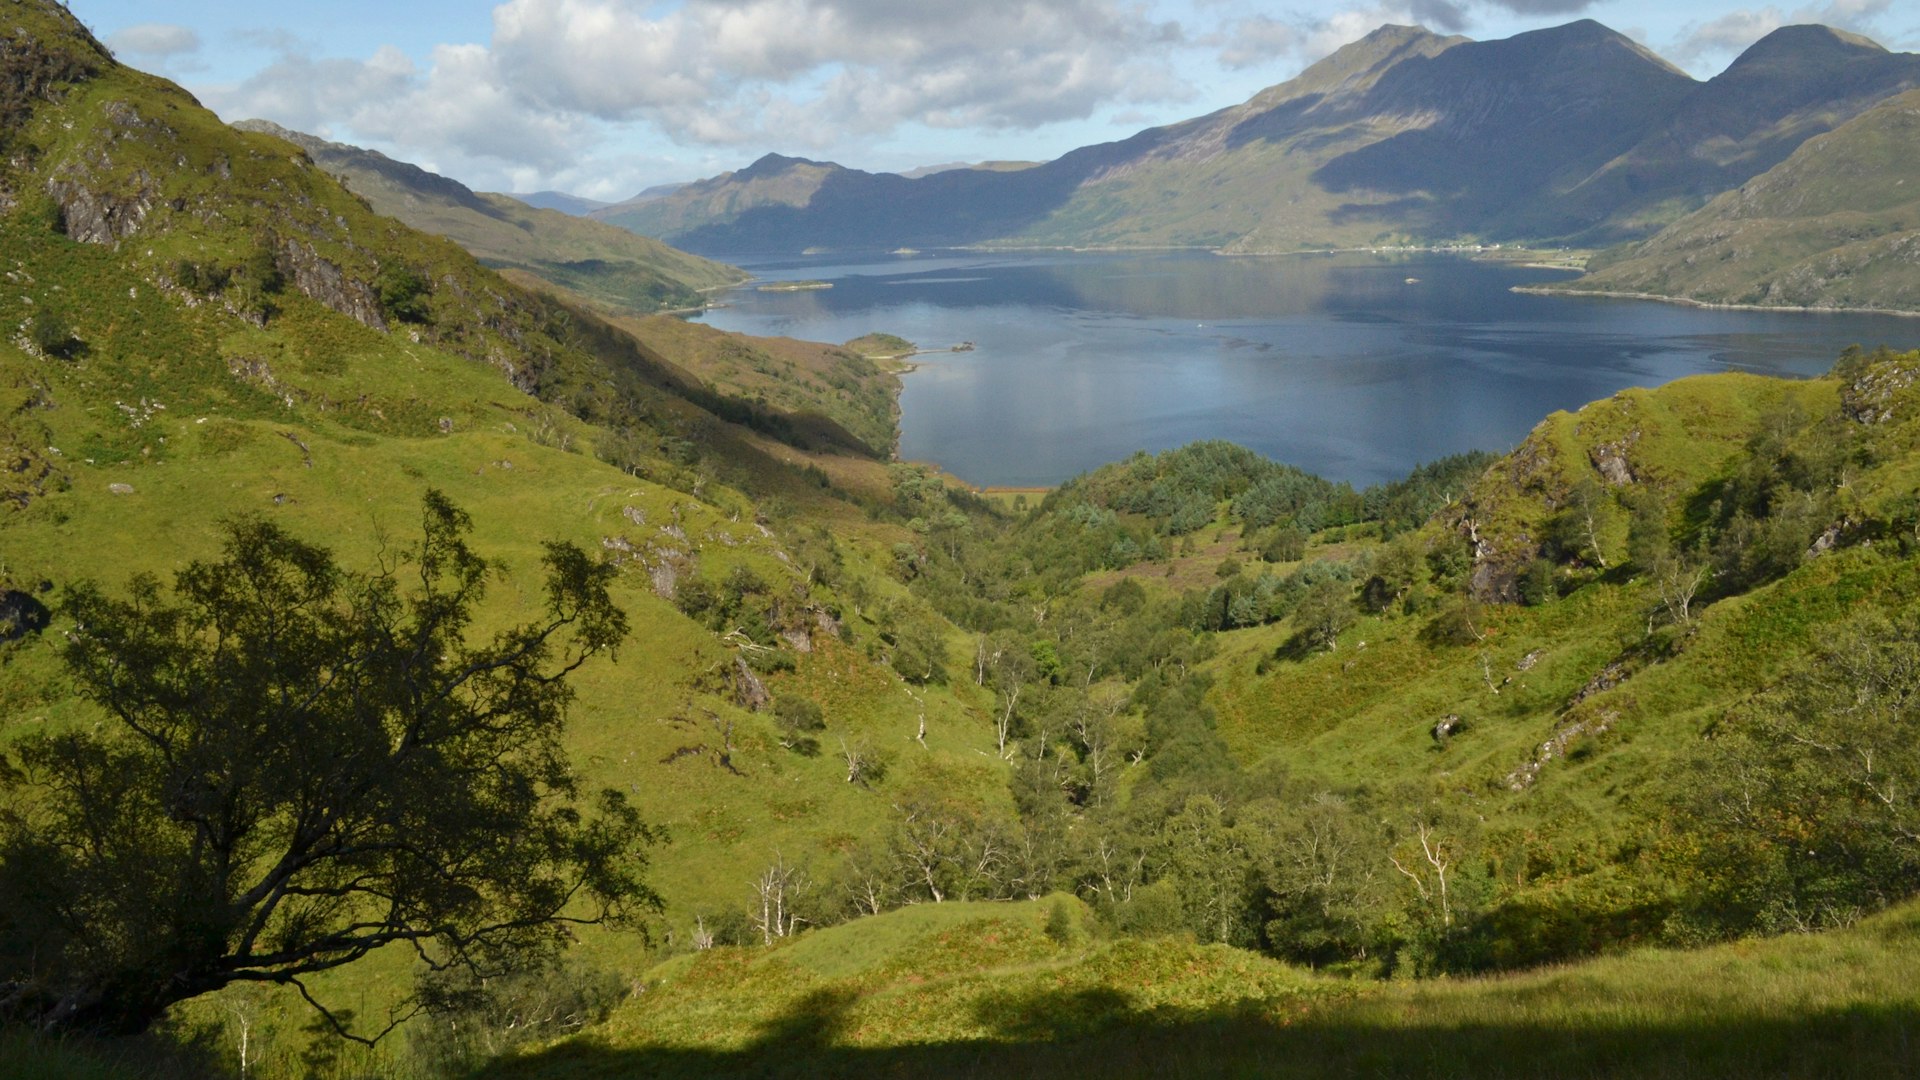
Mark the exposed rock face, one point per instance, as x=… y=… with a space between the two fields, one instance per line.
x=99 y=217
x=1558 y=747
x=93 y=210
x=1494 y=582
x=667 y=567
x=321 y=280
x=1871 y=398
x=1496 y=572
x=748 y=691
x=1610 y=461
x=1608 y=677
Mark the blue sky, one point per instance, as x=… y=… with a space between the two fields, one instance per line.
x=606 y=97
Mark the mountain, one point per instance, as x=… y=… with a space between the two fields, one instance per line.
x=1836 y=225
x=1402 y=137
x=1789 y=86
x=610 y=268
x=772 y=181
x=561 y=201
x=212 y=328
x=991 y=166
x=1200 y=765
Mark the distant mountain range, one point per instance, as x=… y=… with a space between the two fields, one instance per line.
x=994 y=166
x=1571 y=135
x=609 y=267
x=561 y=201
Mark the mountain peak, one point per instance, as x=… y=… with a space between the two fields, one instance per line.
x=1585 y=34
x=1356 y=65
x=771 y=165
x=1805 y=42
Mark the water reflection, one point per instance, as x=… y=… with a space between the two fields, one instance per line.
x=1337 y=364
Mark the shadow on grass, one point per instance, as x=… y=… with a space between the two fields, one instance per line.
x=1097 y=1033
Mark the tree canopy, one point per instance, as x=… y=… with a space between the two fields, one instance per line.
x=301 y=765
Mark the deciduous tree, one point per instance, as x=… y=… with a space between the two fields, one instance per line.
x=298 y=766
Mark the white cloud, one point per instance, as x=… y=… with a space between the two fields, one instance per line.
x=1346 y=27
x=793 y=74
x=1544 y=7
x=704 y=72
x=158 y=40
x=1256 y=40
x=455 y=111
x=1259 y=39
x=559 y=80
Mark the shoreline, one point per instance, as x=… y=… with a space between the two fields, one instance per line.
x=1684 y=301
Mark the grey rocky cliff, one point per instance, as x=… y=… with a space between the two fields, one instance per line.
x=321 y=280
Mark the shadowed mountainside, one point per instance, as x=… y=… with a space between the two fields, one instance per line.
x=1402 y=137
x=1835 y=225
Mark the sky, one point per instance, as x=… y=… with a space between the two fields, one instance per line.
x=604 y=98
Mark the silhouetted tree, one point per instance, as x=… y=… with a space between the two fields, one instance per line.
x=299 y=766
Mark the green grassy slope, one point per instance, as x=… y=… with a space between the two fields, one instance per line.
x=230 y=346
x=985 y=992
x=1836 y=225
x=801 y=378
x=1579 y=722
x=1577 y=715
x=612 y=268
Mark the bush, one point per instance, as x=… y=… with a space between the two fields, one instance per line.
x=53 y=335
x=474 y=1020
x=798 y=719
x=1459 y=623
x=1287 y=544
x=1537 y=585
x=402 y=294
x=1154 y=911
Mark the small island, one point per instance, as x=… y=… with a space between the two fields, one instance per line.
x=795 y=286
x=893 y=348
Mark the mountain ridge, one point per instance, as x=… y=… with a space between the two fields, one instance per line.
x=1836 y=225
x=610 y=268
x=1404 y=136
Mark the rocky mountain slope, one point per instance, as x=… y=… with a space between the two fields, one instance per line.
x=1836 y=225
x=1402 y=137
x=611 y=268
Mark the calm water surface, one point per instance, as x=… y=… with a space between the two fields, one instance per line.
x=1337 y=364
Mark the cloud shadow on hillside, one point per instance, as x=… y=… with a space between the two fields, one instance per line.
x=1098 y=1033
